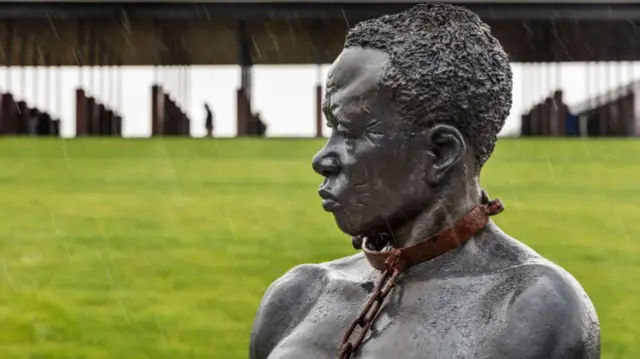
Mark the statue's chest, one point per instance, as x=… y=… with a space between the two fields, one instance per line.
x=447 y=321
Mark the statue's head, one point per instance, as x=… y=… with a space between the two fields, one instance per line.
x=415 y=102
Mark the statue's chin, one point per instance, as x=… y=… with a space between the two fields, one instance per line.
x=347 y=226
x=355 y=226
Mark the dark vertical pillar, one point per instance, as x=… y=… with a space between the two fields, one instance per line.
x=318 y=111
x=552 y=110
x=601 y=113
x=6 y=106
x=23 y=112
x=186 y=130
x=319 y=44
x=23 y=108
x=90 y=88
x=118 y=125
x=8 y=45
x=609 y=99
x=561 y=116
x=584 y=124
x=156 y=110
x=108 y=131
x=92 y=106
x=118 y=98
x=35 y=61
x=243 y=112
x=81 y=104
x=635 y=124
x=627 y=114
x=155 y=89
x=116 y=93
x=547 y=105
x=57 y=101
x=102 y=127
x=243 y=95
x=8 y=113
x=168 y=118
x=535 y=120
x=82 y=111
x=526 y=125
x=91 y=84
x=187 y=89
x=47 y=103
x=603 y=119
x=614 y=115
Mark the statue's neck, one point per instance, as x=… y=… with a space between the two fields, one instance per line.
x=442 y=214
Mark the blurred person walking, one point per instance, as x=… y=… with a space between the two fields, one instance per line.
x=208 y=123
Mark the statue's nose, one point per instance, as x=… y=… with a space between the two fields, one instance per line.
x=326 y=165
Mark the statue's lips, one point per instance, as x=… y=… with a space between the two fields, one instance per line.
x=329 y=202
x=330 y=205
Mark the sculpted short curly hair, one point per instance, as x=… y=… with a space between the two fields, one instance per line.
x=445 y=67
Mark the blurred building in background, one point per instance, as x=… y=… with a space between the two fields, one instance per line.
x=100 y=38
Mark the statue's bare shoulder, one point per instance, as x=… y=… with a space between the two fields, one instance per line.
x=284 y=305
x=290 y=298
x=544 y=308
x=537 y=302
x=550 y=311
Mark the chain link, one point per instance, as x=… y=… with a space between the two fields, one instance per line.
x=369 y=313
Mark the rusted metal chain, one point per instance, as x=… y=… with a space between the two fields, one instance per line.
x=392 y=263
x=352 y=339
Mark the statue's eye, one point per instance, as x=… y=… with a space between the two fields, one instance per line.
x=344 y=132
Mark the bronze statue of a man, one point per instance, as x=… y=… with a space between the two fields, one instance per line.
x=415 y=102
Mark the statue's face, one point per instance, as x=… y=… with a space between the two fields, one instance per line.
x=374 y=173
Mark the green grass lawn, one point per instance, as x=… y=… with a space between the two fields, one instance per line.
x=127 y=249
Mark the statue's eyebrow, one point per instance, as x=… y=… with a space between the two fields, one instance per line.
x=339 y=119
x=332 y=115
x=328 y=114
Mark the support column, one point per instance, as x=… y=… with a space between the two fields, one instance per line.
x=560 y=113
x=8 y=44
x=57 y=85
x=621 y=120
x=93 y=101
x=118 y=98
x=185 y=126
x=243 y=94
x=156 y=90
x=22 y=108
x=47 y=102
x=319 y=44
x=81 y=106
x=157 y=110
x=603 y=108
x=554 y=119
x=35 y=86
x=319 y=109
x=592 y=91
x=187 y=92
x=535 y=120
x=630 y=114
x=23 y=49
x=524 y=123
x=6 y=104
x=105 y=108
x=81 y=112
x=171 y=98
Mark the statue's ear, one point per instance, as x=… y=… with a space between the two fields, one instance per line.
x=446 y=148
